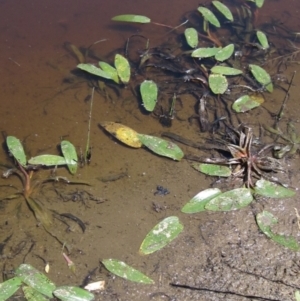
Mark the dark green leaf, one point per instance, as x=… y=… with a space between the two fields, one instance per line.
x=272 y=190
x=213 y=169
x=230 y=200
x=110 y=70
x=70 y=155
x=47 y=160
x=191 y=36
x=94 y=70
x=225 y=53
x=123 y=68
x=223 y=9
x=125 y=271
x=9 y=287
x=162 y=147
x=209 y=16
x=205 y=52
x=132 y=18
x=198 y=202
x=262 y=77
x=16 y=148
x=149 y=93
x=262 y=38
x=217 y=83
x=246 y=103
x=162 y=234
x=225 y=70
x=72 y=293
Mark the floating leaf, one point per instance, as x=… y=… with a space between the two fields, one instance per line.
x=123 y=68
x=125 y=271
x=198 y=202
x=225 y=70
x=259 y=3
x=47 y=160
x=162 y=147
x=33 y=295
x=246 y=103
x=191 y=36
x=217 y=83
x=132 y=18
x=69 y=152
x=205 y=52
x=230 y=200
x=262 y=77
x=35 y=279
x=209 y=16
x=223 y=9
x=213 y=169
x=9 y=287
x=93 y=70
x=265 y=220
x=272 y=190
x=162 y=234
x=123 y=133
x=149 y=93
x=72 y=293
x=225 y=53
x=110 y=70
x=262 y=38
x=16 y=149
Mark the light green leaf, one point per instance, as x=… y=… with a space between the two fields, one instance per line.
x=69 y=152
x=191 y=36
x=297 y=295
x=162 y=147
x=225 y=53
x=272 y=190
x=213 y=169
x=125 y=271
x=259 y=3
x=162 y=234
x=262 y=77
x=205 y=52
x=33 y=295
x=225 y=70
x=246 y=103
x=149 y=93
x=16 y=149
x=262 y=38
x=35 y=279
x=94 y=70
x=223 y=9
x=47 y=160
x=217 y=83
x=198 y=202
x=132 y=18
x=72 y=293
x=209 y=16
x=265 y=220
x=123 y=68
x=110 y=70
x=230 y=200
x=9 y=287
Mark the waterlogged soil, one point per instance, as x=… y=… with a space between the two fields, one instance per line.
x=219 y=255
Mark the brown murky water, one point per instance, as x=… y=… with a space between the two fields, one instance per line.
x=222 y=254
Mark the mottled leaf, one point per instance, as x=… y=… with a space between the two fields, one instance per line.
x=246 y=103
x=72 y=293
x=209 y=16
x=223 y=9
x=262 y=38
x=149 y=93
x=110 y=70
x=225 y=70
x=70 y=154
x=47 y=160
x=123 y=68
x=205 y=52
x=217 y=83
x=191 y=36
x=9 y=287
x=224 y=53
x=213 y=169
x=272 y=190
x=33 y=295
x=16 y=149
x=262 y=77
x=94 y=70
x=132 y=18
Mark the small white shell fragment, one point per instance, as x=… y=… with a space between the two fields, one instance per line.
x=47 y=268
x=95 y=286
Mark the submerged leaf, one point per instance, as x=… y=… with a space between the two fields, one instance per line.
x=70 y=154
x=213 y=169
x=198 y=202
x=162 y=234
x=48 y=160
x=94 y=70
x=223 y=9
x=191 y=36
x=225 y=70
x=162 y=147
x=225 y=53
x=110 y=70
x=217 y=83
x=132 y=18
x=259 y=3
x=205 y=52
x=9 y=287
x=149 y=93
x=209 y=16
x=262 y=38
x=72 y=293
x=246 y=103
x=272 y=190
x=16 y=149
x=125 y=271
x=262 y=77
x=123 y=68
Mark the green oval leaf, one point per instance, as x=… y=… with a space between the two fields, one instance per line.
x=9 y=287
x=217 y=83
x=225 y=53
x=93 y=70
x=162 y=234
x=191 y=36
x=213 y=169
x=272 y=190
x=149 y=93
x=225 y=70
x=297 y=295
x=132 y=18
x=111 y=71
x=162 y=147
x=223 y=9
x=72 y=293
x=262 y=77
x=205 y=52
x=209 y=16
x=265 y=220
x=33 y=295
x=230 y=200
x=246 y=103
x=35 y=279
x=198 y=202
x=262 y=38
x=259 y=3
x=123 y=68
x=47 y=160
x=16 y=149
x=69 y=152
x=125 y=271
